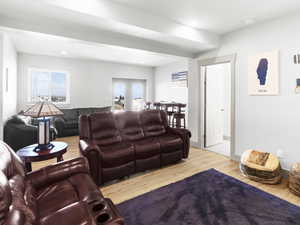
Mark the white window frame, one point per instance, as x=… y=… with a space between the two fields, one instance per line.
x=29 y=94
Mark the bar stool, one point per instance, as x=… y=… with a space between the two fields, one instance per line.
x=179 y=116
x=170 y=112
x=157 y=105
x=147 y=105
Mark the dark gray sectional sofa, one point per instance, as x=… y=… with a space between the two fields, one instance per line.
x=68 y=124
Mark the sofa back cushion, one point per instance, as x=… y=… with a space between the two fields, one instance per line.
x=17 y=197
x=70 y=114
x=19 y=119
x=5 y=197
x=84 y=111
x=152 y=123
x=23 y=203
x=100 y=109
x=91 y=110
x=10 y=163
x=129 y=125
x=103 y=129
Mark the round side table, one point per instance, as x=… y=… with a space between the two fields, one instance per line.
x=29 y=155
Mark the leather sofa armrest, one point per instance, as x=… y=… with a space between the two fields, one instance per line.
x=185 y=136
x=59 y=121
x=59 y=124
x=53 y=133
x=93 y=154
x=180 y=132
x=87 y=146
x=56 y=172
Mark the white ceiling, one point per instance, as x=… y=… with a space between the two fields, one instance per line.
x=220 y=16
x=144 y=32
x=44 y=44
x=106 y=22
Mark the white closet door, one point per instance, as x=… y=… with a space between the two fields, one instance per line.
x=214 y=105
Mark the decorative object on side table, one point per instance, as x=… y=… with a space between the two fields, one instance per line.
x=294 y=179
x=43 y=110
x=261 y=167
x=29 y=153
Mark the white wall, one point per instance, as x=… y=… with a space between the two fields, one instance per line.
x=163 y=83
x=268 y=123
x=10 y=66
x=8 y=62
x=1 y=85
x=90 y=81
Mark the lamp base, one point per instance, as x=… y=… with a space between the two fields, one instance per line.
x=44 y=133
x=43 y=147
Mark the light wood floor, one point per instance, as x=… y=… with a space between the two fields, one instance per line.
x=198 y=161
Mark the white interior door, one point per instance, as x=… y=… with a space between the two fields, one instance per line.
x=214 y=101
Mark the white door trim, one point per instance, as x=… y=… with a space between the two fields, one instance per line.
x=206 y=62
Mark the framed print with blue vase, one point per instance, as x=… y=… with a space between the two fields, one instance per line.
x=263 y=74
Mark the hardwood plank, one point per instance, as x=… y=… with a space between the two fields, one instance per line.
x=198 y=161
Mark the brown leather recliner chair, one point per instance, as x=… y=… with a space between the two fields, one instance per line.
x=61 y=194
x=120 y=144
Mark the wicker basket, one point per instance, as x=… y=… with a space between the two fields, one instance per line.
x=294 y=179
x=261 y=167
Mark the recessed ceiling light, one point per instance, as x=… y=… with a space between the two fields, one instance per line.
x=64 y=53
x=249 y=21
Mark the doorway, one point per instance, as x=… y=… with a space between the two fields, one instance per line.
x=128 y=94
x=217 y=105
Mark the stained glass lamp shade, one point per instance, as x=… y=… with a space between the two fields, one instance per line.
x=43 y=110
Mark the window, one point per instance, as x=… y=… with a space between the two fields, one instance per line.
x=48 y=85
x=128 y=94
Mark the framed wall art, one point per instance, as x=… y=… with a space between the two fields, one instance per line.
x=179 y=79
x=263 y=74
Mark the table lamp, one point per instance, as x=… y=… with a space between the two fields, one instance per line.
x=43 y=110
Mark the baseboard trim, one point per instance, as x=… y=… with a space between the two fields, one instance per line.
x=227 y=138
x=236 y=158
x=195 y=144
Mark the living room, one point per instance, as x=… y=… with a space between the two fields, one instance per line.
x=137 y=112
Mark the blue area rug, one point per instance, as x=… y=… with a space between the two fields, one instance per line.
x=209 y=198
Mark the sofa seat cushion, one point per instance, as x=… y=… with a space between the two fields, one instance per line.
x=75 y=214
x=55 y=197
x=146 y=148
x=148 y=163
x=71 y=124
x=117 y=154
x=170 y=143
x=118 y=171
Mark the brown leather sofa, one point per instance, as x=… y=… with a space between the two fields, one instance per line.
x=61 y=194
x=119 y=144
